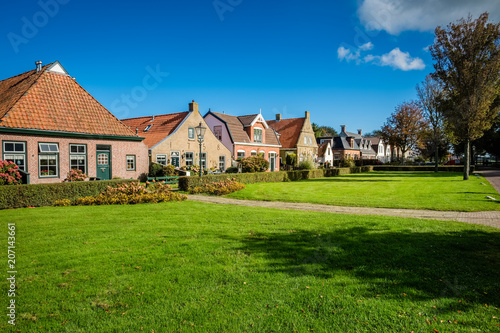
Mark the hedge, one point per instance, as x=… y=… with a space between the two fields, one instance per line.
x=449 y=168
x=39 y=195
x=185 y=183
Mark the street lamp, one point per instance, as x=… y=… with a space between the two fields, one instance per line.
x=200 y=133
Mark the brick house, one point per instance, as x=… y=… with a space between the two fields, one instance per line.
x=296 y=136
x=49 y=125
x=171 y=139
x=246 y=136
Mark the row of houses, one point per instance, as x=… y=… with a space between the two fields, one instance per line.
x=49 y=125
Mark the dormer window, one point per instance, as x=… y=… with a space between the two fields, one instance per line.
x=148 y=127
x=257 y=135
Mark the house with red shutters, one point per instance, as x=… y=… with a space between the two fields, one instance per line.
x=245 y=136
x=296 y=136
x=49 y=125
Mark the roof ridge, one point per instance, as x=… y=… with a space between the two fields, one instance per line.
x=156 y=115
x=31 y=70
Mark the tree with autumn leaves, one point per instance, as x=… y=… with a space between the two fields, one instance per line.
x=467 y=55
x=404 y=128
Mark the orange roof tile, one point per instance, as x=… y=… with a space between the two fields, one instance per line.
x=163 y=126
x=289 y=130
x=51 y=101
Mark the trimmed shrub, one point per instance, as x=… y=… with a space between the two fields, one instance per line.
x=156 y=170
x=9 y=173
x=232 y=170
x=347 y=163
x=39 y=195
x=306 y=165
x=169 y=170
x=291 y=159
x=186 y=183
x=254 y=164
x=218 y=188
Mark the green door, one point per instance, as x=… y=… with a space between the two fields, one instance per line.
x=103 y=165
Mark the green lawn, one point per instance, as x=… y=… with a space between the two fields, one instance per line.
x=212 y=268
x=416 y=190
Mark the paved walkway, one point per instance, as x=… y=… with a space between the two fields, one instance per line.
x=489 y=218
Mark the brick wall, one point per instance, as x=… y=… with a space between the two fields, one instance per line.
x=119 y=150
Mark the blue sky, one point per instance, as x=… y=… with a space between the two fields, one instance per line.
x=347 y=62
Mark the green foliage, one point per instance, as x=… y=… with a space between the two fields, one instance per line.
x=39 y=195
x=222 y=187
x=306 y=165
x=254 y=164
x=169 y=170
x=156 y=170
x=232 y=170
x=291 y=159
x=347 y=163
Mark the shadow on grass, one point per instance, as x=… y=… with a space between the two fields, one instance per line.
x=424 y=266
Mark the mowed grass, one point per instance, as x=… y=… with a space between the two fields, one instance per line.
x=412 y=190
x=196 y=267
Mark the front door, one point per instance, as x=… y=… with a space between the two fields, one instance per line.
x=174 y=158
x=272 y=161
x=103 y=165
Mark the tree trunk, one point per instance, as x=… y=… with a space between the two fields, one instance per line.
x=467 y=159
x=436 y=153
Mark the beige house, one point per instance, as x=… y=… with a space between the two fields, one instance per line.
x=171 y=139
x=296 y=136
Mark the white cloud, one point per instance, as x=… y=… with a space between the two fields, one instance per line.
x=401 y=60
x=395 y=16
x=395 y=59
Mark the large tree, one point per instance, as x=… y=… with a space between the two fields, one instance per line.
x=404 y=127
x=467 y=55
x=320 y=131
x=430 y=95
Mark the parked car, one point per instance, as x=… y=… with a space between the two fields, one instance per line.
x=453 y=162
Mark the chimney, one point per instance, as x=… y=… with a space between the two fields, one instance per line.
x=307 y=114
x=38 y=65
x=360 y=132
x=194 y=107
x=278 y=116
x=153 y=118
x=342 y=128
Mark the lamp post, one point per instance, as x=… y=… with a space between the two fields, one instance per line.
x=200 y=133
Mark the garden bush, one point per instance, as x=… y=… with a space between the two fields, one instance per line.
x=306 y=165
x=156 y=170
x=132 y=193
x=232 y=170
x=169 y=170
x=75 y=175
x=39 y=195
x=347 y=163
x=222 y=187
x=291 y=159
x=254 y=164
x=9 y=173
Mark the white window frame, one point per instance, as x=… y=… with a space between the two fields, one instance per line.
x=191 y=133
x=191 y=160
x=48 y=151
x=12 y=155
x=78 y=156
x=162 y=155
x=133 y=162
x=258 y=138
x=238 y=153
x=222 y=163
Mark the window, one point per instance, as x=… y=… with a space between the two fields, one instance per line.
x=329 y=152
x=336 y=157
x=161 y=159
x=148 y=127
x=15 y=152
x=189 y=158
x=310 y=141
x=130 y=162
x=78 y=157
x=240 y=154
x=191 y=133
x=257 y=135
x=204 y=160
x=253 y=153
x=305 y=140
x=218 y=132
x=48 y=160
x=222 y=163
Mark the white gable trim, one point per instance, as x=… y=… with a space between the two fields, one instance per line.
x=259 y=118
x=56 y=67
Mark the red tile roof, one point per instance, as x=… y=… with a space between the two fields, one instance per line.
x=46 y=100
x=322 y=149
x=289 y=130
x=163 y=126
x=236 y=126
